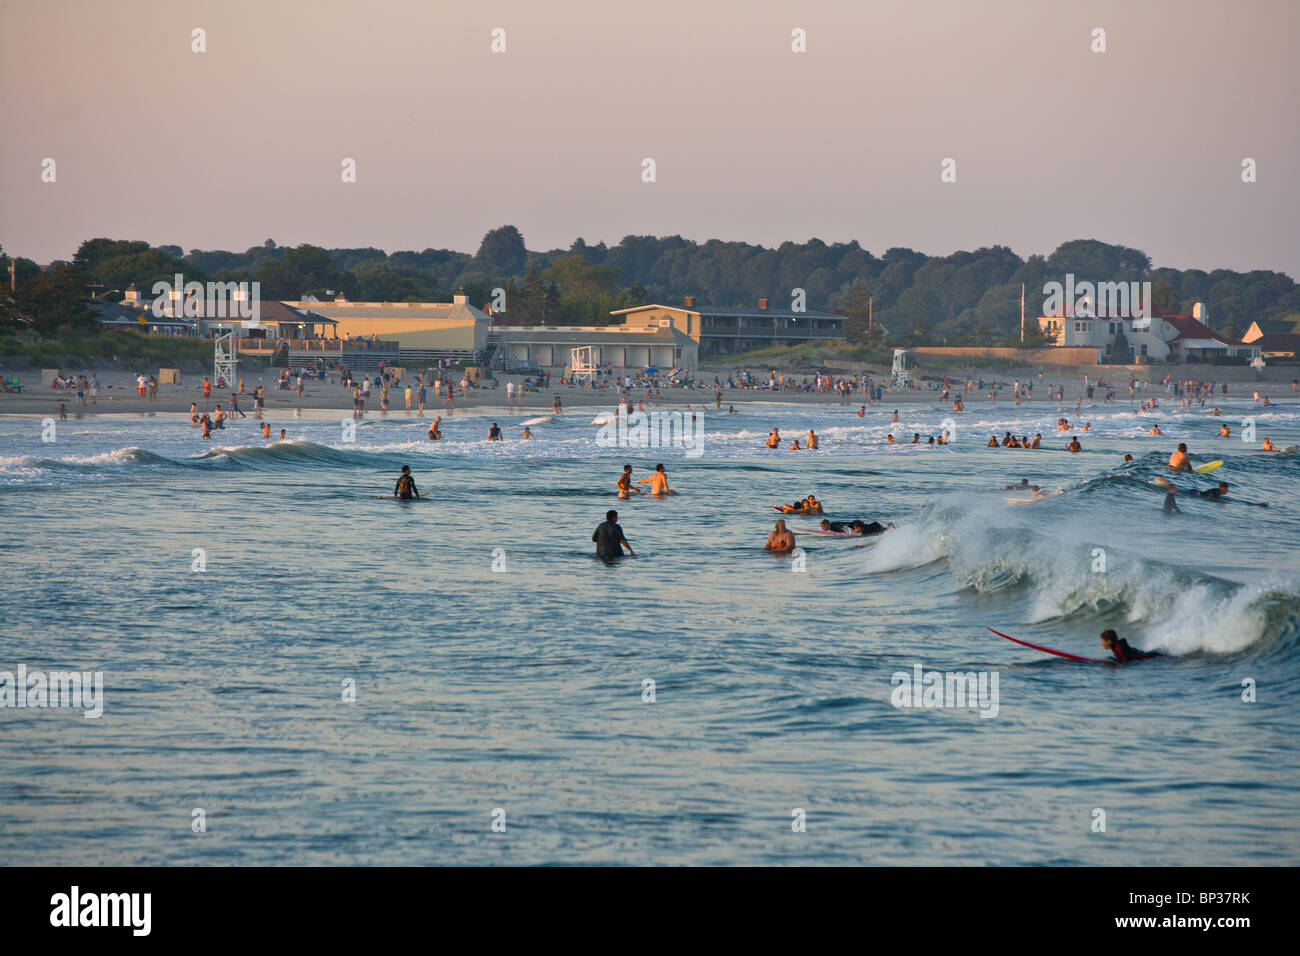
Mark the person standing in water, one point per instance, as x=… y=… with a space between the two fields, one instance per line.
x=405 y=488
x=658 y=483
x=609 y=538
x=625 y=489
x=780 y=540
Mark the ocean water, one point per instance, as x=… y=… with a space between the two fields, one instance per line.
x=522 y=688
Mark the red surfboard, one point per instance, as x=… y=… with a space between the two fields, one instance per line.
x=1048 y=650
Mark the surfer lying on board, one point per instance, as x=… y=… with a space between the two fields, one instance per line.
x=405 y=487
x=1121 y=648
x=781 y=539
x=858 y=529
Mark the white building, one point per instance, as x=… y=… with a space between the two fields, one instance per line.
x=1135 y=341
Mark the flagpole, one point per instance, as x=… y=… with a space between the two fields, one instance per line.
x=1022 y=313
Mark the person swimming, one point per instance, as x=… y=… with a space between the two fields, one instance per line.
x=1225 y=432
x=794 y=446
x=1218 y=493
x=780 y=540
x=658 y=483
x=1074 y=445
x=527 y=434
x=1121 y=648
x=1268 y=445
x=993 y=442
x=405 y=488
x=811 y=443
x=1021 y=485
x=1155 y=430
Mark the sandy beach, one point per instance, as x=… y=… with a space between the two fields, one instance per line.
x=118 y=395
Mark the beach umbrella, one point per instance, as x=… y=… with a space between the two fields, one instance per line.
x=650 y=370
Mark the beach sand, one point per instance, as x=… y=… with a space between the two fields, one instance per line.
x=118 y=395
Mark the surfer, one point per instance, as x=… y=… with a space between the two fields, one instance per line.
x=658 y=483
x=609 y=538
x=780 y=540
x=405 y=487
x=625 y=489
x=1021 y=485
x=1121 y=648
x=1179 y=461
x=1215 y=494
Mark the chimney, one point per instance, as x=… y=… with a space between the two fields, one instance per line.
x=460 y=298
x=689 y=302
x=762 y=303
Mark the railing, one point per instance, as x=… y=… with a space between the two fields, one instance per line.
x=253 y=346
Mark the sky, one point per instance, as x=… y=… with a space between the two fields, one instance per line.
x=1140 y=145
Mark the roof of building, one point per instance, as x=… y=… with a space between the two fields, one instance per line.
x=111 y=313
x=1189 y=329
x=735 y=313
x=1284 y=325
x=1277 y=342
x=394 y=310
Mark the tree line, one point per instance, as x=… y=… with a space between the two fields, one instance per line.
x=966 y=298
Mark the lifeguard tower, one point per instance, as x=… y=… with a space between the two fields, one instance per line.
x=583 y=367
x=225 y=360
x=900 y=375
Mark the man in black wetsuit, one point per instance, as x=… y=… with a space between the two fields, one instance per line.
x=609 y=538
x=494 y=433
x=1218 y=494
x=405 y=487
x=1121 y=649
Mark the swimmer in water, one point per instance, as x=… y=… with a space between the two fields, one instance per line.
x=625 y=489
x=1215 y=494
x=1021 y=485
x=781 y=539
x=794 y=446
x=1171 y=495
x=1225 y=432
x=862 y=411
x=266 y=429
x=1179 y=461
x=658 y=483
x=1074 y=445
x=527 y=434
x=893 y=419
x=774 y=439
x=812 y=440
x=1155 y=430
x=993 y=442
x=1121 y=649
x=494 y=433
x=405 y=487
x=1268 y=445
x=435 y=433
x=609 y=537
x=283 y=437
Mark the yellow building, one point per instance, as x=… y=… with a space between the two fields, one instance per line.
x=453 y=329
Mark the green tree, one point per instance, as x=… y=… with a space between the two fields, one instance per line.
x=502 y=252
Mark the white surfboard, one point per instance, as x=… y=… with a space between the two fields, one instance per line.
x=540 y=421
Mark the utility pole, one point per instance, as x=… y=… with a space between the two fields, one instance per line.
x=13 y=287
x=870 y=300
x=1022 y=313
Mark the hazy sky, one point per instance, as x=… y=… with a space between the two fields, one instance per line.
x=1140 y=145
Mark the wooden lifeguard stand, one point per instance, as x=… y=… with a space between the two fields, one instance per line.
x=900 y=374
x=582 y=365
x=225 y=360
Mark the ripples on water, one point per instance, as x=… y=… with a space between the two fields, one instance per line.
x=522 y=689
